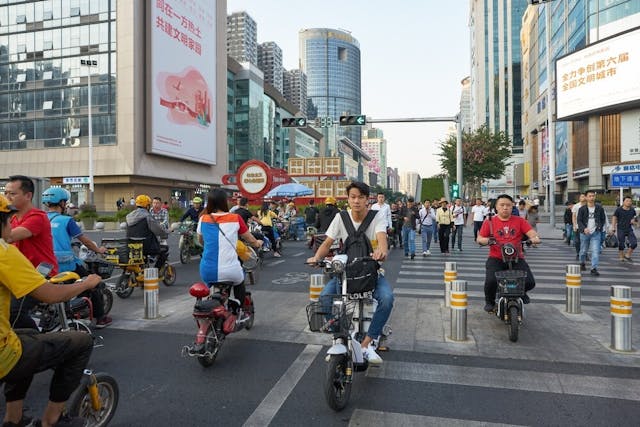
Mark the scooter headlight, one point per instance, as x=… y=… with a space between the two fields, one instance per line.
x=337 y=265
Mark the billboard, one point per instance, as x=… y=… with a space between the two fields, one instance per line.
x=181 y=81
x=599 y=77
x=562 y=147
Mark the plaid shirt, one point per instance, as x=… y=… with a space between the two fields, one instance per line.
x=162 y=217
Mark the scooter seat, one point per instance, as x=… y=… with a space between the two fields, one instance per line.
x=206 y=306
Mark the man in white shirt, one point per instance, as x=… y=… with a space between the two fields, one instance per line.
x=479 y=211
x=427 y=219
x=385 y=210
x=574 y=216
x=457 y=211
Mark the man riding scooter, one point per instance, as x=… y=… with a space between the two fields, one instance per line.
x=140 y=224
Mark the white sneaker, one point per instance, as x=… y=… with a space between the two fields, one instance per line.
x=371 y=355
x=428 y=252
x=424 y=253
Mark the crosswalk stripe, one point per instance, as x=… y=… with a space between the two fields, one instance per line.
x=545 y=382
x=465 y=276
x=362 y=417
x=535 y=296
x=558 y=286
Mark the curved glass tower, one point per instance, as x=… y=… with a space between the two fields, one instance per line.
x=331 y=60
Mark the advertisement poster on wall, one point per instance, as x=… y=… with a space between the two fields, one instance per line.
x=562 y=142
x=182 y=79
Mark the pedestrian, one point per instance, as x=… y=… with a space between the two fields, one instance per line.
x=132 y=202
x=591 y=222
x=568 y=223
x=621 y=224
x=384 y=208
x=160 y=214
x=310 y=214
x=435 y=204
x=522 y=209
x=409 y=215
x=533 y=217
x=427 y=219
x=479 y=211
x=444 y=218
x=574 y=218
x=118 y=204
x=457 y=212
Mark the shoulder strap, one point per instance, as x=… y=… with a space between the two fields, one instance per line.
x=348 y=224
x=491 y=226
x=367 y=221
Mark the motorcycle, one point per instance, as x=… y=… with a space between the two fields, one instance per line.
x=188 y=246
x=511 y=289
x=128 y=255
x=77 y=312
x=217 y=315
x=347 y=318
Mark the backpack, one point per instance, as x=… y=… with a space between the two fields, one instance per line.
x=362 y=275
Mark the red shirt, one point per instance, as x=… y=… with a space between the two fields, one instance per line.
x=39 y=247
x=509 y=231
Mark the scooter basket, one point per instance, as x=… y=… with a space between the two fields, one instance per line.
x=511 y=282
x=330 y=319
x=102 y=268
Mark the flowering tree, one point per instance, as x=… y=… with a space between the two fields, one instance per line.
x=485 y=155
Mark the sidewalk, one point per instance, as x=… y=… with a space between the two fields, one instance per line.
x=546 y=232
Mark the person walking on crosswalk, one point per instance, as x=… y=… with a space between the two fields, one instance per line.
x=457 y=212
x=591 y=221
x=621 y=222
x=427 y=219
x=444 y=218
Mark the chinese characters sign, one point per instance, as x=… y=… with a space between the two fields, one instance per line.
x=182 y=80
x=602 y=75
x=625 y=180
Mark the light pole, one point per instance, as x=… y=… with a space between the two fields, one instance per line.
x=515 y=182
x=90 y=63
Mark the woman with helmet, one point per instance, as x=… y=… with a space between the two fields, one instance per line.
x=266 y=217
x=63 y=230
x=218 y=231
x=141 y=224
x=326 y=214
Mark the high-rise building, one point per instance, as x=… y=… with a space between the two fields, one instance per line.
x=496 y=66
x=374 y=144
x=393 y=179
x=242 y=37
x=149 y=135
x=409 y=183
x=465 y=105
x=295 y=89
x=270 y=62
x=331 y=60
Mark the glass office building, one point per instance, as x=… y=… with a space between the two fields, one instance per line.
x=331 y=60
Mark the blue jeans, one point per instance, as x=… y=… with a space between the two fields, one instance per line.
x=590 y=241
x=409 y=239
x=382 y=293
x=435 y=232
x=427 y=234
x=568 y=230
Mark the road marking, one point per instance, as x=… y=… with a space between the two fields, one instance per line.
x=280 y=261
x=545 y=382
x=536 y=297
x=270 y=405
x=298 y=254
x=363 y=417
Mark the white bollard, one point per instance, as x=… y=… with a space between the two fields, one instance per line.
x=574 y=294
x=151 y=288
x=621 y=309
x=450 y=274
x=459 y=310
x=316 y=284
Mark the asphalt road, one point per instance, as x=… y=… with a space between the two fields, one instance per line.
x=555 y=375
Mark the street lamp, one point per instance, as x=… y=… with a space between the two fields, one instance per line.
x=90 y=63
x=515 y=182
x=551 y=138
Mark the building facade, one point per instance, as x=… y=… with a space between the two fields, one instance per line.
x=242 y=37
x=393 y=179
x=331 y=61
x=270 y=62
x=44 y=103
x=591 y=148
x=295 y=89
x=374 y=144
x=409 y=183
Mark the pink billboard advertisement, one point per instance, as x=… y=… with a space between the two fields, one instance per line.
x=183 y=79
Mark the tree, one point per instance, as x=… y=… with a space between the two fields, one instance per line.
x=485 y=155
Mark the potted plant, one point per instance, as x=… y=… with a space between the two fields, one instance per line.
x=88 y=216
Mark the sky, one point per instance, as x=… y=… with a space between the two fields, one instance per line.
x=414 y=55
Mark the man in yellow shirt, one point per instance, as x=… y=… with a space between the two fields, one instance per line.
x=28 y=352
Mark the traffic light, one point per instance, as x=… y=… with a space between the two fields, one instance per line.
x=455 y=191
x=294 y=122
x=353 y=120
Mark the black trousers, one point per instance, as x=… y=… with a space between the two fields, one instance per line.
x=443 y=237
x=490 y=282
x=477 y=225
x=67 y=353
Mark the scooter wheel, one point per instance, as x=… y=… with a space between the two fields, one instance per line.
x=79 y=404
x=337 y=384
x=514 y=325
x=124 y=288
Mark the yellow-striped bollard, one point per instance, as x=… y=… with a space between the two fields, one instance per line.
x=574 y=289
x=459 y=310
x=621 y=318
x=316 y=284
x=151 y=287
x=450 y=274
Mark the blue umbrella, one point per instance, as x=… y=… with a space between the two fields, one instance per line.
x=291 y=189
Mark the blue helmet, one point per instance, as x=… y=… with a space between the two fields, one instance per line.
x=55 y=195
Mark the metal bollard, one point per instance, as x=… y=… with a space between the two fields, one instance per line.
x=459 y=310
x=316 y=284
x=450 y=274
x=151 y=287
x=621 y=318
x=574 y=289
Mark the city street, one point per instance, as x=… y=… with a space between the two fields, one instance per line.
x=560 y=372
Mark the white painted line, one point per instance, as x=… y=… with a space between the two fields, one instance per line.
x=362 y=417
x=480 y=284
x=535 y=297
x=545 y=382
x=280 y=261
x=298 y=254
x=270 y=405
